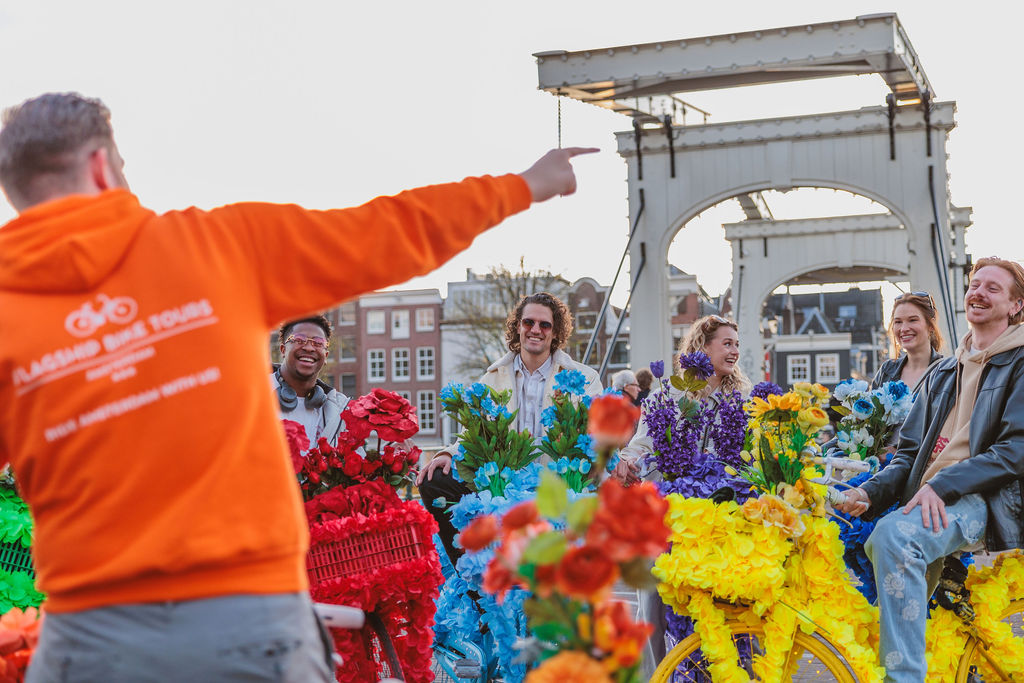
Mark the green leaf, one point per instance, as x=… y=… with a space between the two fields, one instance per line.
x=677 y=382
x=581 y=513
x=841 y=409
x=552 y=495
x=545 y=548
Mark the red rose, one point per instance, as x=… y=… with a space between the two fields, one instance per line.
x=298 y=442
x=585 y=572
x=353 y=465
x=519 y=516
x=479 y=533
x=499 y=579
x=630 y=522
x=387 y=413
x=612 y=420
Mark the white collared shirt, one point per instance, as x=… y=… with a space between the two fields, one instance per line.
x=530 y=394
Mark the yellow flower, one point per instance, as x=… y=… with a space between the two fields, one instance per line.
x=773 y=511
x=820 y=391
x=756 y=407
x=813 y=417
x=788 y=401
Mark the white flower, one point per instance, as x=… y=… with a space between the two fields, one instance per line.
x=894 y=584
x=911 y=611
x=862 y=437
x=893 y=659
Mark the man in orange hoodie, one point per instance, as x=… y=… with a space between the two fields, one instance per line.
x=133 y=406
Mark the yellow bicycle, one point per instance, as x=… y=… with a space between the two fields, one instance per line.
x=772 y=601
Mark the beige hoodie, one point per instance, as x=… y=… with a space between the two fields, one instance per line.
x=954 y=439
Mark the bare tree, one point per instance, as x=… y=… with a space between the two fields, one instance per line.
x=478 y=313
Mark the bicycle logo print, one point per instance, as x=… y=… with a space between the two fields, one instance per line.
x=83 y=321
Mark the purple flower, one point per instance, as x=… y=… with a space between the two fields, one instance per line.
x=697 y=361
x=765 y=389
x=658 y=368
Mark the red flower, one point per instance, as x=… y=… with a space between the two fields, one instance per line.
x=585 y=572
x=387 y=413
x=353 y=464
x=479 y=533
x=630 y=522
x=298 y=442
x=519 y=516
x=499 y=579
x=612 y=420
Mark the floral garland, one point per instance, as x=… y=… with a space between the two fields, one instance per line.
x=19 y=634
x=991 y=590
x=717 y=552
x=402 y=594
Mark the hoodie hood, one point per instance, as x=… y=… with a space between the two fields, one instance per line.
x=71 y=244
x=1011 y=338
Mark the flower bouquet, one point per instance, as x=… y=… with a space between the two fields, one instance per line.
x=490 y=449
x=19 y=634
x=368 y=548
x=568 y=553
x=870 y=418
x=780 y=442
x=354 y=459
x=683 y=428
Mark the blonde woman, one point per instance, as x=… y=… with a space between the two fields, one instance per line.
x=914 y=329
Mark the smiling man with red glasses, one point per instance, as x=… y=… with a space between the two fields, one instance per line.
x=301 y=396
x=535 y=332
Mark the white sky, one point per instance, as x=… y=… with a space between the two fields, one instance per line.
x=330 y=103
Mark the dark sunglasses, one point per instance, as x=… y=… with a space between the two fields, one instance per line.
x=302 y=340
x=529 y=323
x=922 y=295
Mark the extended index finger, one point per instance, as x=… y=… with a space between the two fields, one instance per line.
x=576 y=151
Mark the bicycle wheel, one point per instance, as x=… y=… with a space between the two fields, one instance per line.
x=457 y=662
x=971 y=664
x=815 y=658
x=380 y=648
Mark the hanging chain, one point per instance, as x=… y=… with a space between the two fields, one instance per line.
x=558 y=95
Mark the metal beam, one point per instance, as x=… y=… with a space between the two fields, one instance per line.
x=868 y=44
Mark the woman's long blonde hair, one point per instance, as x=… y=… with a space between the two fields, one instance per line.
x=700 y=333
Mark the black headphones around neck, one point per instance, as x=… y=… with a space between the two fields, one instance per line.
x=289 y=400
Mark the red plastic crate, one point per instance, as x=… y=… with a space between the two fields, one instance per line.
x=365 y=552
x=15 y=558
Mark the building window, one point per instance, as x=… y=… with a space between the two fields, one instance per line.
x=425 y=362
x=399 y=324
x=400 y=365
x=346 y=347
x=798 y=368
x=424 y=319
x=620 y=354
x=375 y=322
x=848 y=311
x=426 y=411
x=376 y=368
x=586 y=321
x=827 y=368
x=348 y=384
x=347 y=313
x=406 y=395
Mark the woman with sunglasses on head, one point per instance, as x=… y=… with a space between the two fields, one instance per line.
x=914 y=329
x=719 y=339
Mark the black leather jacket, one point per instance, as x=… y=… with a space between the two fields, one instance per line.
x=996 y=466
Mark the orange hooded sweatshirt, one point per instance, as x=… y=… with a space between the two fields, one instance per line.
x=133 y=376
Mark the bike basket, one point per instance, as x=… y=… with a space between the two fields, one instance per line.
x=15 y=558
x=366 y=552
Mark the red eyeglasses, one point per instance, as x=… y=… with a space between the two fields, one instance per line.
x=302 y=340
x=529 y=324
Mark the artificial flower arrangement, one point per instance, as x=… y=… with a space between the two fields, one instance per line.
x=568 y=553
x=354 y=459
x=870 y=417
x=566 y=440
x=682 y=428
x=780 y=443
x=490 y=448
x=17 y=585
x=19 y=634
x=351 y=503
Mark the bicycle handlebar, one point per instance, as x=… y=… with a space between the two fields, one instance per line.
x=844 y=463
x=340 y=616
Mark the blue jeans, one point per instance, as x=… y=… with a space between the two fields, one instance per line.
x=903 y=551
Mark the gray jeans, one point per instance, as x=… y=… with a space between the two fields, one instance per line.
x=234 y=638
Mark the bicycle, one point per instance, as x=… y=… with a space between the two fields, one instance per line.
x=813 y=625
x=340 y=616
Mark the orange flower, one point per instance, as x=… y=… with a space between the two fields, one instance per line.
x=521 y=515
x=630 y=522
x=544 y=577
x=569 y=667
x=612 y=420
x=618 y=635
x=499 y=579
x=479 y=533
x=586 y=572
x=773 y=511
x=19 y=629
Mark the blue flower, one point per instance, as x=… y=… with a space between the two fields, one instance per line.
x=697 y=361
x=862 y=408
x=585 y=443
x=571 y=382
x=481 y=480
x=490 y=468
x=488 y=406
x=460 y=453
x=547 y=416
x=506 y=473
x=849 y=386
x=584 y=466
x=897 y=389
x=658 y=368
x=763 y=390
x=574 y=465
x=562 y=466
x=586 y=401
x=479 y=390
x=451 y=391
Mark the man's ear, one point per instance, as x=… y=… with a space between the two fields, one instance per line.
x=101 y=174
